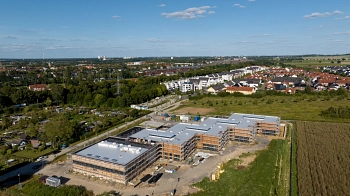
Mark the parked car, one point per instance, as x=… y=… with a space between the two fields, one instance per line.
x=40 y=158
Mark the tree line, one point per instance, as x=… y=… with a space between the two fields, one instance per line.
x=337 y=112
x=89 y=94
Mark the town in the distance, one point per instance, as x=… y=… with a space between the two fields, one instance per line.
x=200 y=125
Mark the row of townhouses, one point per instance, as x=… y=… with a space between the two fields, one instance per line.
x=204 y=82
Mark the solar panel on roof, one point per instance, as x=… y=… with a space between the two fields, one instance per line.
x=254 y=117
x=163 y=135
x=198 y=128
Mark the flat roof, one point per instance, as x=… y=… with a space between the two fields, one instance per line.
x=182 y=132
x=110 y=150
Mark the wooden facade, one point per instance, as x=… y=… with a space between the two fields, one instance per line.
x=241 y=134
x=113 y=171
x=266 y=128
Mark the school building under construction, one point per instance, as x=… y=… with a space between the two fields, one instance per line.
x=123 y=159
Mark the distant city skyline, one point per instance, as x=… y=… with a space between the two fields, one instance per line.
x=87 y=29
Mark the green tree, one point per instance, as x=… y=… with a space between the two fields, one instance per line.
x=9 y=152
x=99 y=100
x=58 y=93
x=6 y=122
x=134 y=113
x=59 y=126
x=48 y=102
x=308 y=89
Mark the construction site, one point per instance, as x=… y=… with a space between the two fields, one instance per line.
x=123 y=157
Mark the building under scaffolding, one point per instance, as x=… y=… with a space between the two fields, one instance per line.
x=179 y=141
x=114 y=159
x=122 y=159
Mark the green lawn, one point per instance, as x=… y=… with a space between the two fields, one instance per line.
x=287 y=107
x=32 y=154
x=261 y=177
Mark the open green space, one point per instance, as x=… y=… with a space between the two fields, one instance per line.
x=267 y=175
x=291 y=107
x=30 y=154
x=319 y=61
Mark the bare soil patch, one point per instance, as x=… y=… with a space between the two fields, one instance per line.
x=247 y=160
x=194 y=111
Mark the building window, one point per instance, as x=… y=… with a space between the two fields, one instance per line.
x=210 y=147
x=176 y=157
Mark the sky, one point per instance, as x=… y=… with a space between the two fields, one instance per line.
x=152 y=28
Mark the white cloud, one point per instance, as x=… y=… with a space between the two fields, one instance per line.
x=345 y=17
x=337 y=12
x=65 y=27
x=115 y=17
x=189 y=13
x=161 y=5
x=155 y=40
x=320 y=15
x=238 y=5
x=49 y=39
x=211 y=12
x=338 y=41
x=341 y=33
x=259 y=35
x=251 y=0
x=10 y=37
x=245 y=42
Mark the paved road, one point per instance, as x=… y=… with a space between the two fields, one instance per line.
x=28 y=169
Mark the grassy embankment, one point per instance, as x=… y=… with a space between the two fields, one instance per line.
x=268 y=174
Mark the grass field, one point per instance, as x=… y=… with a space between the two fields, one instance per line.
x=268 y=174
x=305 y=107
x=316 y=61
x=32 y=154
x=323 y=158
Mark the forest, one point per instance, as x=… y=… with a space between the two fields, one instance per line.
x=89 y=94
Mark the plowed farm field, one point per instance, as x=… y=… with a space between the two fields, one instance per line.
x=323 y=158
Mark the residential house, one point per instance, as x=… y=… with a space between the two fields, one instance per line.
x=37 y=87
x=284 y=88
x=241 y=89
x=186 y=87
x=18 y=142
x=290 y=80
x=24 y=137
x=229 y=83
x=35 y=143
x=299 y=87
x=216 y=88
x=251 y=82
